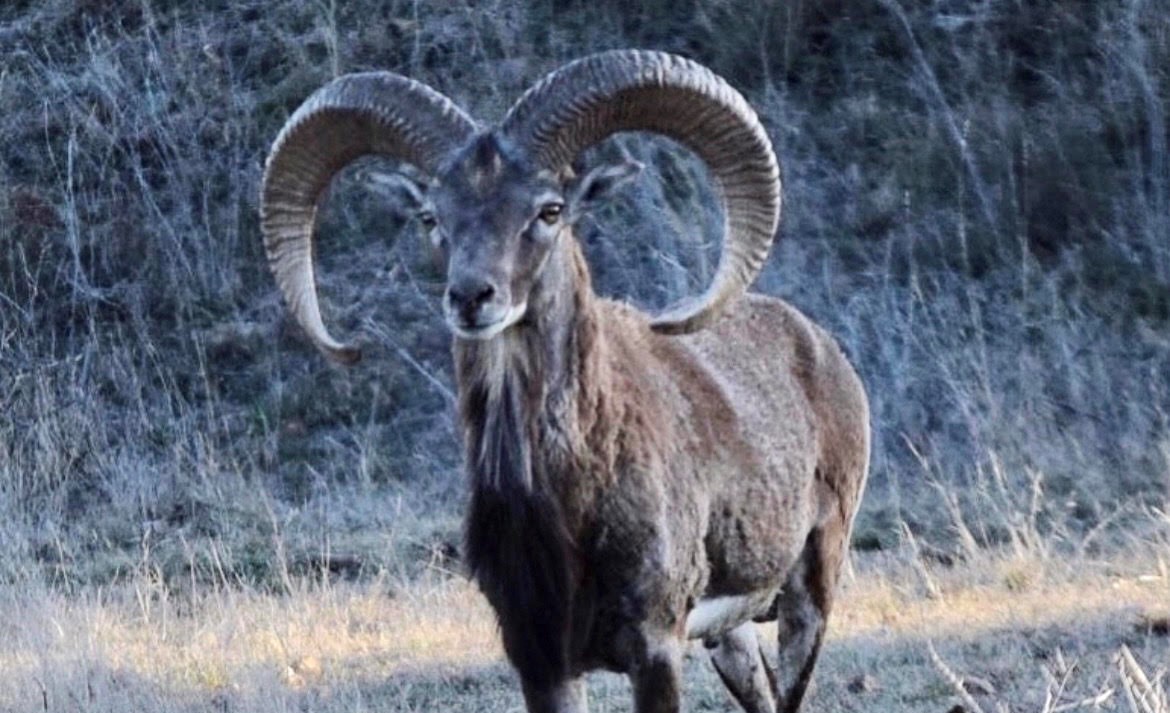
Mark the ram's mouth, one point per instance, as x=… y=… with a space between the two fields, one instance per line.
x=482 y=330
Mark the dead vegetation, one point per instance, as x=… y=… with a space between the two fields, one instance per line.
x=977 y=208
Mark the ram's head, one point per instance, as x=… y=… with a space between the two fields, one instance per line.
x=496 y=200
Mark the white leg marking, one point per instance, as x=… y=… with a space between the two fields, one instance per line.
x=717 y=615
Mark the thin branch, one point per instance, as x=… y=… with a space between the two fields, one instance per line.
x=384 y=335
x=1143 y=695
x=938 y=102
x=954 y=679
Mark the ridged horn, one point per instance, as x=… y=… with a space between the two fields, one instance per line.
x=354 y=115
x=587 y=100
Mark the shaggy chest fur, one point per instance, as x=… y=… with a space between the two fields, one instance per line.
x=517 y=545
x=542 y=424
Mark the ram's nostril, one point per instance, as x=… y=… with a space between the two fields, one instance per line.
x=485 y=294
x=470 y=294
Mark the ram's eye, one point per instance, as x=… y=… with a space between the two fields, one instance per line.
x=427 y=219
x=550 y=213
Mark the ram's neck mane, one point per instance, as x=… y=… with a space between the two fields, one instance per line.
x=527 y=396
x=518 y=399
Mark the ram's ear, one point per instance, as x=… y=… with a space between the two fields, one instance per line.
x=403 y=191
x=597 y=184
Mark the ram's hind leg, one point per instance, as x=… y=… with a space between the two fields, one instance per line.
x=737 y=658
x=803 y=609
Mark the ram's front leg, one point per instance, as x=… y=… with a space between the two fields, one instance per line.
x=657 y=677
x=562 y=697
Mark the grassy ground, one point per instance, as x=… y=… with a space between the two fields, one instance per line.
x=907 y=636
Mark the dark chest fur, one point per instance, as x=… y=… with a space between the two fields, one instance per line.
x=517 y=546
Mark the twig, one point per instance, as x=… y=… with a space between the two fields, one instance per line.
x=938 y=100
x=954 y=679
x=1092 y=702
x=384 y=335
x=1143 y=696
x=933 y=591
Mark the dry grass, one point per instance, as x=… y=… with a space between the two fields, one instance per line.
x=999 y=594
x=136 y=640
x=431 y=643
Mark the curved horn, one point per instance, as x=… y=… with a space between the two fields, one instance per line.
x=630 y=90
x=352 y=116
